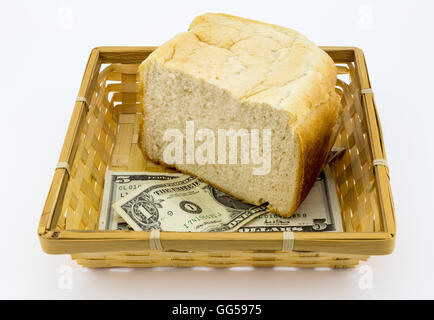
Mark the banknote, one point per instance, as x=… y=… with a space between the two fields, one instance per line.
x=119 y=184
x=184 y=204
x=320 y=211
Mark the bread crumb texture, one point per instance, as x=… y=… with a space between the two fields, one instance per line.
x=230 y=72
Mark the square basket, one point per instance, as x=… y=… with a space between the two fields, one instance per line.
x=103 y=134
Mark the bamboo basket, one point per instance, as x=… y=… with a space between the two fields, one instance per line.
x=103 y=134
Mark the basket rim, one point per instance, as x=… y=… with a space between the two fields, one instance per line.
x=67 y=242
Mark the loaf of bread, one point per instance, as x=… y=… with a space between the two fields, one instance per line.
x=267 y=86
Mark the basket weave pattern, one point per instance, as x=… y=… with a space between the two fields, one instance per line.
x=104 y=133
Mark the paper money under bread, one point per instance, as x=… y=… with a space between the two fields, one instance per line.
x=184 y=204
x=117 y=185
x=320 y=211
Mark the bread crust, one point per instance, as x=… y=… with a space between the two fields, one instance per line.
x=316 y=137
x=234 y=54
x=294 y=76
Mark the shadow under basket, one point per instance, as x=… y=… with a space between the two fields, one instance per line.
x=103 y=134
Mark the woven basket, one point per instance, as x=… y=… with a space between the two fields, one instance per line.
x=103 y=134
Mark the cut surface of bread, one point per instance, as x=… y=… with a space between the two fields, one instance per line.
x=273 y=87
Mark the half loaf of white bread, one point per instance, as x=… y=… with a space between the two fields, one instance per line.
x=228 y=72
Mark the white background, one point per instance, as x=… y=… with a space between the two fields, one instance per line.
x=44 y=49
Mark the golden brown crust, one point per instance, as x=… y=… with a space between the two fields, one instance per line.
x=315 y=136
x=256 y=62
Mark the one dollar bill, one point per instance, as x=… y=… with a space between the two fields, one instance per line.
x=184 y=204
x=116 y=186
